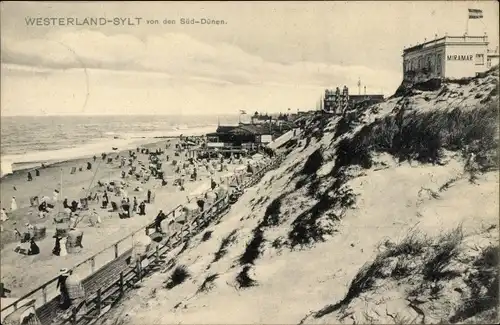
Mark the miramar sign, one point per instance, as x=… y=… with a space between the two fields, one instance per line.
x=455 y=57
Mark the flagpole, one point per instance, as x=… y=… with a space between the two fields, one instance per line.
x=467 y=23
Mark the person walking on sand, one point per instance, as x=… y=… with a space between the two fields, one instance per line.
x=63 y=252
x=64 y=301
x=65 y=203
x=4 y=216
x=142 y=208
x=135 y=204
x=57 y=247
x=13 y=204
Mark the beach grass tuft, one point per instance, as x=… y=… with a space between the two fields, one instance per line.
x=244 y=280
x=179 y=275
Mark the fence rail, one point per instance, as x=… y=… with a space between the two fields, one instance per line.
x=108 y=270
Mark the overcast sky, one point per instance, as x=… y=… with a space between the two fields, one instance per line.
x=269 y=56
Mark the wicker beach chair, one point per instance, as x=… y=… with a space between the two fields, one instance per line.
x=40 y=232
x=74 y=241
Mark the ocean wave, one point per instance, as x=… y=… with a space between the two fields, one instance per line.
x=122 y=141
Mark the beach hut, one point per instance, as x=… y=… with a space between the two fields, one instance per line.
x=39 y=232
x=74 y=241
x=62 y=217
x=189 y=211
x=34 y=201
x=25 y=314
x=222 y=191
x=76 y=292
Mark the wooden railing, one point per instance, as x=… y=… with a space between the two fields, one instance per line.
x=107 y=268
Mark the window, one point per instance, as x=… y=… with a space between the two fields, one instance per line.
x=479 y=59
x=438 y=64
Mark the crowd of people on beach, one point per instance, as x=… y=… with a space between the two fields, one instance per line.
x=136 y=175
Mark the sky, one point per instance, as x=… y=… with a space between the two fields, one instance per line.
x=267 y=56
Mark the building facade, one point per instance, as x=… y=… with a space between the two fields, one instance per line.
x=448 y=57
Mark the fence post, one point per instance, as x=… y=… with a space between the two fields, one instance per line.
x=139 y=271
x=73 y=316
x=116 y=250
x=121 y=284
x=92 y=264
x=44 y=293
x=98 y=302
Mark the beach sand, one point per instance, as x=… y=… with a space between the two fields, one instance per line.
x=21 y=273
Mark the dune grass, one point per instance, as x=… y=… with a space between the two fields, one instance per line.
x=252 y=250
x=179 y=275
x=436 y=255
x=208 y=283
x=484 y=287
x=244 y=280
x=226 y=242
x=207 y=235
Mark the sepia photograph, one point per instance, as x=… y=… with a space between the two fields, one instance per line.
x=249 y=162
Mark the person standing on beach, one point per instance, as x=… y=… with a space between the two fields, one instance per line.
x=30 y=178
x=159 y=218
x=64 y=302
x=142 y=208
x=149 y=197
x=4 y=216
x=57 y=247
x=135 y=205
x=65 y=203
x=13 y=204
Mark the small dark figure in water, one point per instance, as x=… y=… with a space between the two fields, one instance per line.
x=142 y=208
x=37 y=172
x=89 y=165
x=95 y=158
x=30 y=178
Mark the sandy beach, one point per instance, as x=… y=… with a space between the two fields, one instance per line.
x=21 y=273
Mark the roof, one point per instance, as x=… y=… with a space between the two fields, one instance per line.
x=465 y=39
x=251 y=128
x=225 y=128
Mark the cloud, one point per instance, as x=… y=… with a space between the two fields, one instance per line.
x=181 y=56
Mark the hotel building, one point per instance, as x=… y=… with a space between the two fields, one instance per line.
x=448 y=57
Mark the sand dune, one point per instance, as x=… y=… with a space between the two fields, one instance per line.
x=299 y=246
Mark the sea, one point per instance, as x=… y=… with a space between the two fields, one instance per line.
x=27 y=142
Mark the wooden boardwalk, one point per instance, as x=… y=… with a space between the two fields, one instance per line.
x=104 y=287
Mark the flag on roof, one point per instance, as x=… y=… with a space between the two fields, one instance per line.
x=475 y=13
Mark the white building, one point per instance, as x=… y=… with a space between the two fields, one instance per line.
x=451 y=57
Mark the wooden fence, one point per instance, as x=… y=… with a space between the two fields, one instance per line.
x=107 y=275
